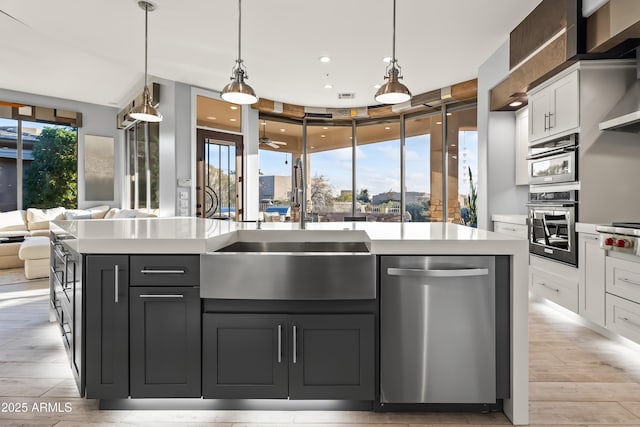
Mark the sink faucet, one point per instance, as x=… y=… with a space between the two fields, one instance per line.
x=298 y=191
x=258 y=223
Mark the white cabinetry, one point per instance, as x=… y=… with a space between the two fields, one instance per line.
x=522 y=143
x=554 y=108
x=554 y=281
x=591 y=260
x=623 y=297
x=513 y=225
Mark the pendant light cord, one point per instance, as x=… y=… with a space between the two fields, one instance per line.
x=394 y=32
x=240 y=30
x=146 y=31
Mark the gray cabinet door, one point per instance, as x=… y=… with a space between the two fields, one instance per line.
x=332 y=356
x=107 y=326
x=165 y=341
x=244 y=356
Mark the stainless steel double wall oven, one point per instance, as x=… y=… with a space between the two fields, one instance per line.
x=553 y=199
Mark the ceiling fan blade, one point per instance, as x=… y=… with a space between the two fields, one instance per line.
x=279 y=142
x=273 y=145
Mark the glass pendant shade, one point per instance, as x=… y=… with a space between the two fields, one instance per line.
x=146 y=112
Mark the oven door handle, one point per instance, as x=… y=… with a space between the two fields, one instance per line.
x=552 y=205
x=550 y=153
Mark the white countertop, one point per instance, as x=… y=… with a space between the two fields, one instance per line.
x=197 y=235
x=510 y=218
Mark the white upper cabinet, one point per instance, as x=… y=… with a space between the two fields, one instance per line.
x=554 y=108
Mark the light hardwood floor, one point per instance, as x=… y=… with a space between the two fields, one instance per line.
x=577 y=377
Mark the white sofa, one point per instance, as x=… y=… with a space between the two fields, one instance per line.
x=33 y=253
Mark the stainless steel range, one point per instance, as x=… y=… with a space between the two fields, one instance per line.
x=623 y=237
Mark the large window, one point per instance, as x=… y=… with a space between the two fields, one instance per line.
x=38 y=165
x=329 y=169
x=279 y=147
x=422 y=170
x=462 y=139
x=395 y=175
x=378 y=171
x=8 y=164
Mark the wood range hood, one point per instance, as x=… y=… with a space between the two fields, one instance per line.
x=555 y=35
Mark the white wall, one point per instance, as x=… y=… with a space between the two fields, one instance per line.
x=497 y=192
x=96 y=120
x=175 y=141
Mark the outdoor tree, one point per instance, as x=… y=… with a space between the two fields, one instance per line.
x=222 y=190
x=320 y=193
x=363 y=196
x=52 y=177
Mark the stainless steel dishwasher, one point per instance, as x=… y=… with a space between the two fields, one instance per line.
x=438 y=335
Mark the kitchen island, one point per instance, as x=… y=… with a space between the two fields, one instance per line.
x=169 y=242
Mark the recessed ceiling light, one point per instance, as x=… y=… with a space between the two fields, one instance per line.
x=350 y=137
x=452 y=145
x=264 y=123
x=325 y=59
x=323 y=136
x=234 y=107
x=313 y=146
x=438 y=123
x=210 y=118
x=387 y=128
x=448 y=114
x=328 y=86
x=281 y=130
x=377 y=86
x=515 y=104
x=386 y=59
x=325 y=127
x=232 y=120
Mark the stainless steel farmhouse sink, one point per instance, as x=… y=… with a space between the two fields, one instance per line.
x=296 y=247
x=284 y=270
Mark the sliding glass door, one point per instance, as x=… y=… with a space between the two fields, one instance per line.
x=143 y=167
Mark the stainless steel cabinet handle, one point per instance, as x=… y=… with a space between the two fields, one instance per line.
x=145 y=271
x=116 y=270
x=162 y=296
x=550 y=114
x=549 y=287
x=279 y=343
x=418 y=272
x=631 y=282
x=626 y=319
x=545 y=121
x=295 y=344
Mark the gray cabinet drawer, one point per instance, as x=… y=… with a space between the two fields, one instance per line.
x=164 y=270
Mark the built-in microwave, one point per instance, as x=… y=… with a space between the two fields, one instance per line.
x=554 y=161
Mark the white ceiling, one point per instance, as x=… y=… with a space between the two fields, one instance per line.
x=92 y=51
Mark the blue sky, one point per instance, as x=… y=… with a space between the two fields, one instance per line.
x=378 y=165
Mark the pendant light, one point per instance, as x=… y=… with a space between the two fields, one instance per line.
x=146 y=112
x=392 y=91
x=238 y=91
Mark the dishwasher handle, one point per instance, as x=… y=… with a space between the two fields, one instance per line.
x=419 y=272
